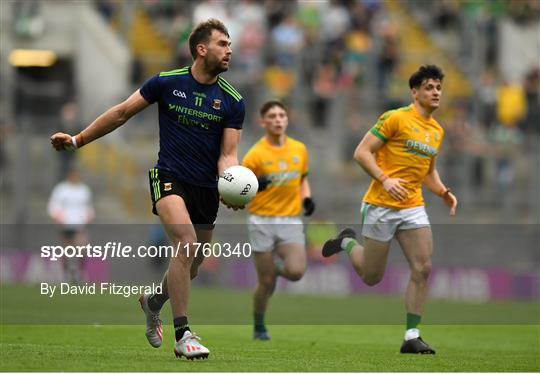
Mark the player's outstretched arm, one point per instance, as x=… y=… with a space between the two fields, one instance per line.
x=433 y=182
x=364 y=155
x=104 y=124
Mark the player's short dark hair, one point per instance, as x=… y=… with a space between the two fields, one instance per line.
x=202 y=33
x=424 y=73
x=269 y=105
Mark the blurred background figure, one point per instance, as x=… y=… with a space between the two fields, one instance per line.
x=70 y=207
x=507 y=136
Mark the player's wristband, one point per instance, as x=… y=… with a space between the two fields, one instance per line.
x=74 y=142
x=383 y=177
x=444 y=192
x=79 y=139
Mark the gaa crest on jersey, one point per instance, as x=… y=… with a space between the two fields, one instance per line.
x=167 y=186
x=282 y=165
x=216 y=104
x=295 y=159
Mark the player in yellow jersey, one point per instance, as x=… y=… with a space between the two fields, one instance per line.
x=399 y=153
x=274 y=224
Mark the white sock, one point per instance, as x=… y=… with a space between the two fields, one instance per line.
x=345 y=242
x=412 y=334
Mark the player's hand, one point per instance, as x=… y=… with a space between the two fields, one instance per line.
x=395 y=189
x=233 y=207
x=62 y=142
x=309 y=206
x=450 y=200
x=263 y=183
x=58 y=218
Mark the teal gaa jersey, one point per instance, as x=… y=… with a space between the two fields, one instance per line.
x=192 y=117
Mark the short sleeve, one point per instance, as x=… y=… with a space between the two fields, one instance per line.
x=150 y=89
x=236 y=117
x=386 y=127
x=250 y=161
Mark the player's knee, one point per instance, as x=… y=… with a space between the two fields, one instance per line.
x=182 y=261
x=184 y=257
x=267 y=282
x=421 y=270
x=372 y=279
x=178 y=235
x=296 y=274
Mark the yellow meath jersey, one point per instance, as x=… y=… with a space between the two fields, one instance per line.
x=285 y=166
x=411 y=142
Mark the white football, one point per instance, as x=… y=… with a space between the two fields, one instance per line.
x=238 y=185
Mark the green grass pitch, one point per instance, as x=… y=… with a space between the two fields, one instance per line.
x=99 y=333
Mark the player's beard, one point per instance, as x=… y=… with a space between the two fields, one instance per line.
x=213 y=66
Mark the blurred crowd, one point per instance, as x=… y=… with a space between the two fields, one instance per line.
x=311 y=49
x=310 y=53
x=484 y=152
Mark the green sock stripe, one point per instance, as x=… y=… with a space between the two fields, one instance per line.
x=413 y=320
x=279 y=268
x=350 y=245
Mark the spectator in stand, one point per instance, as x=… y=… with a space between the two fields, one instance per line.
x=531 y=122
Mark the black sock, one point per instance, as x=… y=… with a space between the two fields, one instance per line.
x=156 y=301
x=180 y=327
x=259 y=322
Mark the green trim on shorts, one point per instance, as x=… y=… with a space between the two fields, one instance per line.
x=152 y=183
x=364 y=212
x=155 y=184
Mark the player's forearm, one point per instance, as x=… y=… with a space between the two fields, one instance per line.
x=367 y=161
x=104 y=124
x=55 y=213
x=305 y=189
x=433 y=182
x=229 y=149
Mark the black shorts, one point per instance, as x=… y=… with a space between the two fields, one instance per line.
x=202 y=202
x=69 y=232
